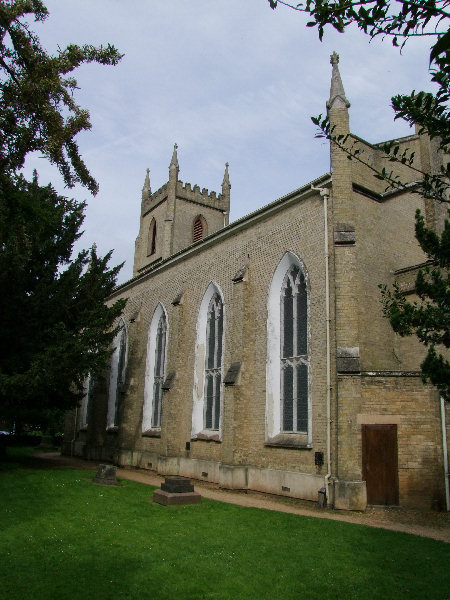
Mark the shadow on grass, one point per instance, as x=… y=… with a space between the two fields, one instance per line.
x=13 y=457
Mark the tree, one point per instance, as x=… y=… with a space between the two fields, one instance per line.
x=429 y=318
x=37 y=107
x=55 y=327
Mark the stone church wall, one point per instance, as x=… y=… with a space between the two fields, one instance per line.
x=374 y=375
x=258 y=248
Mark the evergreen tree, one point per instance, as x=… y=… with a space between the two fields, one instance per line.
x=55 y=327
x=428 y=318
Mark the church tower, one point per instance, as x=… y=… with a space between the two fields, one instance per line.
x=176 y=216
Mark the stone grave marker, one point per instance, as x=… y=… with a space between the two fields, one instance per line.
x=106 y=475
x=176 y=490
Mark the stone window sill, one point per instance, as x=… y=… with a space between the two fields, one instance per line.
x=152 y=433
x=289 y=440
x=207 y=435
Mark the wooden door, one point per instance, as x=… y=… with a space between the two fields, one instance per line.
x=380 y=463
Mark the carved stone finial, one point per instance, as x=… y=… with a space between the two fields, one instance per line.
x=174 y=161
x=226 y=177
x=337 y=92
x=146 y=190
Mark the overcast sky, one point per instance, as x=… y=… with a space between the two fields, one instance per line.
x=228 y=81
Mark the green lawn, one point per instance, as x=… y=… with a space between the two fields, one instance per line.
x=64 y=537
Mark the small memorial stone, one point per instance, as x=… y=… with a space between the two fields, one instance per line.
x=106 y=475
x=176 y=490
x=177 y=485
x=322 y=498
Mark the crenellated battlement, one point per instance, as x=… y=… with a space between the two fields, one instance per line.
x=151 y=201
x=159 y=194
x=175 y=189
x=193 y=194
x=186 y=191
x=177 y=215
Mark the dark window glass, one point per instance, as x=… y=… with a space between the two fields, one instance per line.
x=302 y=397
x=120 y=373
x=301 y=301
x=293 y=351
x=160 y=353
x=288 y=390
x=288 y=323
x=213 y=363
x=209 y=401
x=152 y=238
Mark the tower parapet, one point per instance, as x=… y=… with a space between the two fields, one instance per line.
x=154 y=199
x=191 y=193
x=177 y=215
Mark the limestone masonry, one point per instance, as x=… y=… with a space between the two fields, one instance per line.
x=255 y=354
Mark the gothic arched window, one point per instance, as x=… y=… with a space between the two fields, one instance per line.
x=199 y=228
x=208 y=374
x=213 y=363
x=294 y=353
x=117 y=375
x=155 y=370
x=288 y=403
x=151 y=249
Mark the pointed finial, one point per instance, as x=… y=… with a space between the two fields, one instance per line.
x=147 y=190
x=226 y=177
x=337 y=93
x=174 y=161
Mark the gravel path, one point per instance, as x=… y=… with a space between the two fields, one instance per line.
x=430 y=524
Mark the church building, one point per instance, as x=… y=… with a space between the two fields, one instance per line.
x=255 y=355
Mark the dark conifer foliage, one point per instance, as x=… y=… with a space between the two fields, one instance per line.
x=55 y=327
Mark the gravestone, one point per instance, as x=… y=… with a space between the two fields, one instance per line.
x=176 y=490
x=322 y=498
x=106 y=475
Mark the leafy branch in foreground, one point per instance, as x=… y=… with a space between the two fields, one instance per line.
x=430 y=185
x=37 y=107
x=428 y=319
x=399 y=19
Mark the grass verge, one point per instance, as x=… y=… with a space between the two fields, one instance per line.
x=64 y=537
